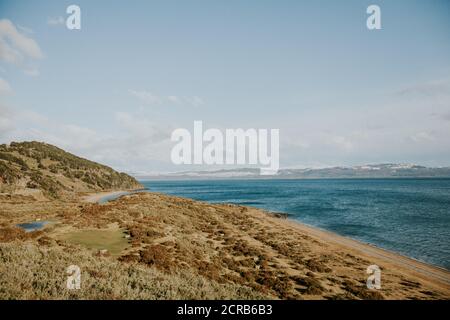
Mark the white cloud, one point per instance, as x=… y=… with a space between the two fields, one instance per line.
x=17 y=47
x=446 y=116
x=195 y=101
x=146 y=97
x=14 y=45
x=25 y=29
x=32 y=72
x=341 y=142
x=55 y=21
x=174 y=99
x=443 y=115
x=6 y=121
x=137 y=144
x=5 y=88
x=296 y=142
x=422 y=137
x=34 y=118
x=150 y=98
x=427 y=89
x=140 y=127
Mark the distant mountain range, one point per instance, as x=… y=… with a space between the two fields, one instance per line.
x=388 y=170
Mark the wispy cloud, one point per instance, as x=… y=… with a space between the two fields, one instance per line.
x=6 y=121
x=16 y=47
x=427 y=89
x=446 y=116
x=32 y=72
x=25 y=29
x=55 y=21
x=195 y=101
x=138 y=143
x=422 y=137
x=146 y=97
x=341 y=142
x=174 y=99
x=442 y=116
x=150 y=98
x=5 y=88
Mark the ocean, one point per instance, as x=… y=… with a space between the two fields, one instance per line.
x=407 y=216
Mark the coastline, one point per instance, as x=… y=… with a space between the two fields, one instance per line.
x=419 y=268
x=235 y=251
x=97 y=196
x=435 y=276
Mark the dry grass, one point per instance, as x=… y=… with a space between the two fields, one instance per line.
x=29 y=271
x=196 y=250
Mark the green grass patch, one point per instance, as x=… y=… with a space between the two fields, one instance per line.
x=111 y=240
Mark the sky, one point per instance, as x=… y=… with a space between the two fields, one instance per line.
x=339 y=93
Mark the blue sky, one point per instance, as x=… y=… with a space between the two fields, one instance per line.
x=339 y=93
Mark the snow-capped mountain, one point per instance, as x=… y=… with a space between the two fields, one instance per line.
x=387 y=170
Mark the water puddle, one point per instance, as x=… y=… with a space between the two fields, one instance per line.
x=32 y=226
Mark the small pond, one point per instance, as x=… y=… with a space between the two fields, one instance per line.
x=32 y=226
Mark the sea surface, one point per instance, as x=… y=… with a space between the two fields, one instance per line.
x=408 y=216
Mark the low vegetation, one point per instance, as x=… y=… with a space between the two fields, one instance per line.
x=147 y=245
x=30 y=271
x=154 y=246
x=36 y=166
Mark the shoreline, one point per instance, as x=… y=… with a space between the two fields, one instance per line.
x=97 y=196
x=411 y=268
x=266 y=255
x=371 y=250
x=389 y=261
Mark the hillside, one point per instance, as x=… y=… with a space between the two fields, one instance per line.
x=38 y=168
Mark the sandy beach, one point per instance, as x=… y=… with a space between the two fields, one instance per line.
x=415 y=267
x=96 y=197
x=409 y=267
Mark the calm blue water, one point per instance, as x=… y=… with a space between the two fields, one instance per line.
x=32 y=226
x=409 y=216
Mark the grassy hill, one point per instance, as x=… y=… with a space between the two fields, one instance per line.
x=36 y=167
